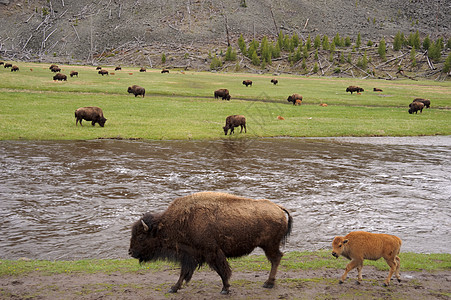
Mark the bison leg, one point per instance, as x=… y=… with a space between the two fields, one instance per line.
x=93 y=123
x=186 y=272
x=219 y=263
x=354 y=263
x=274 y=256
x=393 y=263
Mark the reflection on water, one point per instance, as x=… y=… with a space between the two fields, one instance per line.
x=77 y=199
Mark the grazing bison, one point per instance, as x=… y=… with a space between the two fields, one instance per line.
x=247 y=82
x=103 y=72
x=293 y=98
x=209 y=227
x=73 y=73
x=353 y=89
x=377 y=90
x=274 y=81
x=2 y=63
x=99 y=68
x=136 y=90
x=426 y=102
x=55 y=69
x=8 y=65
x=90 y=113
x=142 y=69
x=223 y=93
x=416 y=106
x=60 y=77
x=14 y=68
x=53 y=66
x=164 y=71
x=235 y=121
x=360 y=245
x=117 y=68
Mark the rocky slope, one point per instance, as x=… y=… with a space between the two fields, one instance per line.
x=82 y=30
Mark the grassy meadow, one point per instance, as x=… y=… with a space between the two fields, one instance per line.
x=180 y=105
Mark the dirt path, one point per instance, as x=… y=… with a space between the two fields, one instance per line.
x=312 y=284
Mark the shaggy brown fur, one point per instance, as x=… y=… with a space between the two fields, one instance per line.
x=416 y=106
x=377 y=90
x=14 y=68
x=223 y=93
x=209 y=227
x=8 y=65
x=55 y=69
x=142 y=69
x=60 y=77
x=293 y=98
x=247 y=82
x=274 y=81
x=73 y=73
x=103 y=72
x=359 y=245
x=164 y=71
x=426 y=102
x=137 y=90
x=117 y=68
x=90 y=113
x=352 y=89
x=235 y=121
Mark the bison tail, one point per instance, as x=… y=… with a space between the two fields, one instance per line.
x=289 y=228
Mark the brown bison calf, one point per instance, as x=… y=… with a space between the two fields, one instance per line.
x=137 y=90
x=73 y=73
x=416 y=106
x=223 y=93
x=274 y=81
x=426 y=102
x=90 y=113
x=103 y=72
x=208 y=228
x=247 y=82
x=235 y=121
x=353 y=89
x=293 y=98
x=360 y=245
x=60 y=77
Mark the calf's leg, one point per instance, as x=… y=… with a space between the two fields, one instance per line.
x=354 y=263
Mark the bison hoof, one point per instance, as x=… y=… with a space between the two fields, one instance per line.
x=357 y=282
x=340 y=281
x=172 y=291
x=399 y=280
x=268 y=285
x=224 y=292
x=385 y=285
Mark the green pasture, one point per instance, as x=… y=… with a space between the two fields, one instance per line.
x=180 y=105
x=291 y=261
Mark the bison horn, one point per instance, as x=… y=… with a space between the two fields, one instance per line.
x=146 y=228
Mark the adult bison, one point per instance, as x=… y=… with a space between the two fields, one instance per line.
x=377 y=90
x=353 y=89
x=60 y=77
x=14 y=68
x=235 y=121
x=223 y=93
x=73 y=73
x=118 y=68
x=274 y=81
x=164 y=71
x=426 y=102
x=142 y=69
x=103 y=72
x=137 y=90
x=293 y=98
x=55 y=69
x=359 y=245
x=247 y=82
x=416 y=106
x=209 y=227
x=8 y=65
x=90 y=113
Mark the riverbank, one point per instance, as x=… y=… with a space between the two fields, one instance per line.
x=300 y=276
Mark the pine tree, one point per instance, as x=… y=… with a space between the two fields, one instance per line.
x=309 y=43
x=358 y=43
x=317 y=42
x=230 y=54
x=325 y=42
x=413 y=59
x=255 y=59
x=381 y=49
x=426 y=43
x=397 y=43
x=447 y=65
x=242 y=44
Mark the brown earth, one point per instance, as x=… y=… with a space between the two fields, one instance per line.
x=206 y=284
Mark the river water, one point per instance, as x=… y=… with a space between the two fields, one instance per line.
x=63 y=200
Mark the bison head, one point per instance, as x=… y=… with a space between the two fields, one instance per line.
x=144 y=243
x=102 y=121
x=338 y=245
x=226 y=129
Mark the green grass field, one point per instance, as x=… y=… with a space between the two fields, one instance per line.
x=180 y=105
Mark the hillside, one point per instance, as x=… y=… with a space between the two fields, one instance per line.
x=137 y=32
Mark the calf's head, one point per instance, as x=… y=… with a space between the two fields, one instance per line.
x=338 y=245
